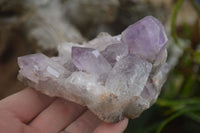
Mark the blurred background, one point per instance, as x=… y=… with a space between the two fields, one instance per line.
x=29 y=26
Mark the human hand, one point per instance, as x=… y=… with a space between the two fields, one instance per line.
x=29 y=111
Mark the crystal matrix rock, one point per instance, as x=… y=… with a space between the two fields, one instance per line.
x=113 y=76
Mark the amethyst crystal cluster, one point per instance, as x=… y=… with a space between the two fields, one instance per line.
x=113 y=76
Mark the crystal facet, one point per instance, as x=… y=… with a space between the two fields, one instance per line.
x=145 y=38
x=115 y=52
x=32 y=68
x=113 y=76
x=129 y=75
x=90 y=60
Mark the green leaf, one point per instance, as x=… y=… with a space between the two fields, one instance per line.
x=196 y=56
x=188 y=87
x=175 y=115
x=193 y=116
x=173 y=21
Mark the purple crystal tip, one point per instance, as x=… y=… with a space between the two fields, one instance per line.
x=90 y=60
x=146 y=38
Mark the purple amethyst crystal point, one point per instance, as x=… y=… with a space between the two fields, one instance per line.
x=145 y=38
x=115 y=52
x=39 y=67
x=90 y=60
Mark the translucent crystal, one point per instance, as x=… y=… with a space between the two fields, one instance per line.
x=115 y=52
x=129 y=76
x=90 y=60
x=155 y=83
x=161 y=58
x=145 y=38
x=38 y=67
x=102 y=41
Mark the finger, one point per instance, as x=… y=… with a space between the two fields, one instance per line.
x=26 y=104
x=86 y=123
x=8 y=124
x=57 y=116
x=112 y=128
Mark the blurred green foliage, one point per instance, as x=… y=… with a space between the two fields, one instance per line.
x=178 y=107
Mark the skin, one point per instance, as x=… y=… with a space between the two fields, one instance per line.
x=29 y=111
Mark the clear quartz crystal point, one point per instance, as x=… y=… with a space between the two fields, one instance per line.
x=113 y=76
x=129 y=76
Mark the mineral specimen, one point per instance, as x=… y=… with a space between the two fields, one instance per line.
x=113 y=76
